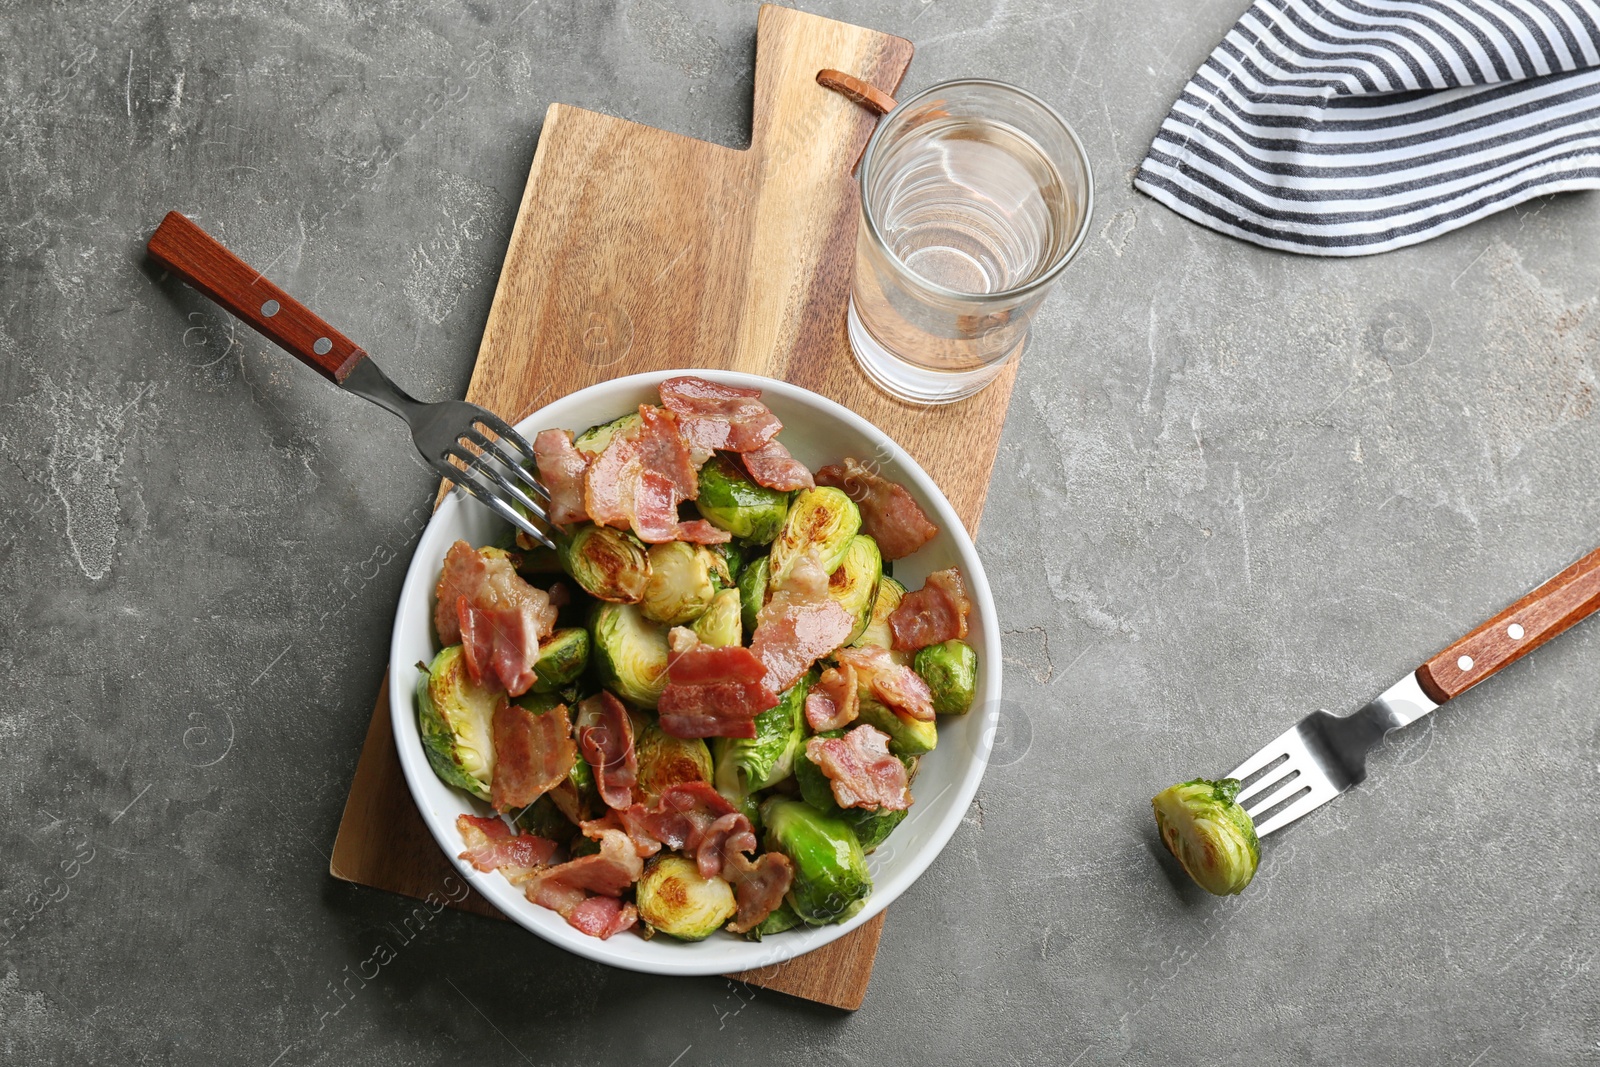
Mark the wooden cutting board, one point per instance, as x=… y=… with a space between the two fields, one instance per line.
x=636 y=249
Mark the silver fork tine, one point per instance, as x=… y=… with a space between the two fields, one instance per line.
x=1274 y=749
x=488 y=444
x=469 y=483
x=1318 y=795
x=504 y=430
x=483 y=465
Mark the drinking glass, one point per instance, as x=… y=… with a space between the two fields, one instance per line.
x=975 y=195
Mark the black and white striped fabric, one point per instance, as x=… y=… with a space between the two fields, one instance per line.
x=1344 y=128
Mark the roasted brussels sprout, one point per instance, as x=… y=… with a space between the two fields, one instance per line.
x=666 y=761
x=674 y=899
x=630 y=653
x=877 y=632
x=753 y=582
x=782 y=918
x=815 y=788
x=1203 y=825
x=733 y=555
x=824 y=519
x=679 y=588
x=610 y=564
x=873 y=827
x=855 y=583
x=731 y=501
x=951 y=671
x=536 y=562
x=544 y=818
x=453 y=717
x=722 y=625
x=562 y=658
x=578 y=797
x=593 y=441
x=907 y=736
x=745 y=765
x=831 y=882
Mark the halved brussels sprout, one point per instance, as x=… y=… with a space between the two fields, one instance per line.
x=753 y=582
x=824 y=519
x=453 y=717
x=544 y=818
x=873 y=827
x=855 y=584
x=577 y=796
x=731 y=501
x=782 y=918
x=907 y=736
x=951 y=671
x=674 y=899
x=610 y=564
x=732 y=555
x=593 y=441
x=562 y=658
x=831 y=882
x=815 y=787
x=877 y=633
x=666 y=761
x=630 y=653
x=679 y=588
x=1213 y=838
x=721 y=626
x=747 y=764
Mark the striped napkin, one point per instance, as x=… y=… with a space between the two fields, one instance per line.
x=1344 y=128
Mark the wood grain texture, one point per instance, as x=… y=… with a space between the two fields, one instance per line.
x=635 y=249
x=1547 y=612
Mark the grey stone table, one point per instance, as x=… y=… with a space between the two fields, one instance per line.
x=1234 y=486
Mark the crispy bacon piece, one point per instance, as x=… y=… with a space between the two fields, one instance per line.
x=640 y=478
x=936 y=612
x=608 y=873
x=603 y=916
x=702 y=532
x=888 y=513
x=799 y=625
x=498 y=618
x=729 y=836
x=632 y=820
x=533 y=751
x=714 y=416
x=605 y=734
x=690 y=815
x=758 y=888
x=861 y=770
x=561 y=469
x=889 y=682
x=712 y=692
x=833 y=702
x=492 y=846
x=772 y=466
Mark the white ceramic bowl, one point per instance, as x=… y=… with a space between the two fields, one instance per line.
x=817 y=431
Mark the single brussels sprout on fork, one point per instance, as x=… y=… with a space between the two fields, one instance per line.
x=674 y=899
x=680 y=586
x=951 y=671
x=1212 y=837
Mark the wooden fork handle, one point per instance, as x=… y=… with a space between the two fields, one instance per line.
x=1548 y=611
x=200 y=259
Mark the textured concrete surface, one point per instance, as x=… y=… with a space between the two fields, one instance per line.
x=1234 y=486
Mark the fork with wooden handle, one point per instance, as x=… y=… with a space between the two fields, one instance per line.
x=468 y=445
x=1323 y=755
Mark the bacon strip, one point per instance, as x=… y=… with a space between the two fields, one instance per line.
x=772 y=466
x=561 y=469
x=498 y=618
x=861 y=770
x=799 y=625
x=567 y=887
x=533 y=751
x=936 y=612
x=712 y=692
x=603 y=916
x=492 y=846
x=605 y=734
x=758 y=888
x=833 y=702
x=881 y=677
x=713 y=416
x=702 y=532
x=889 y=515
x=640 y=478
